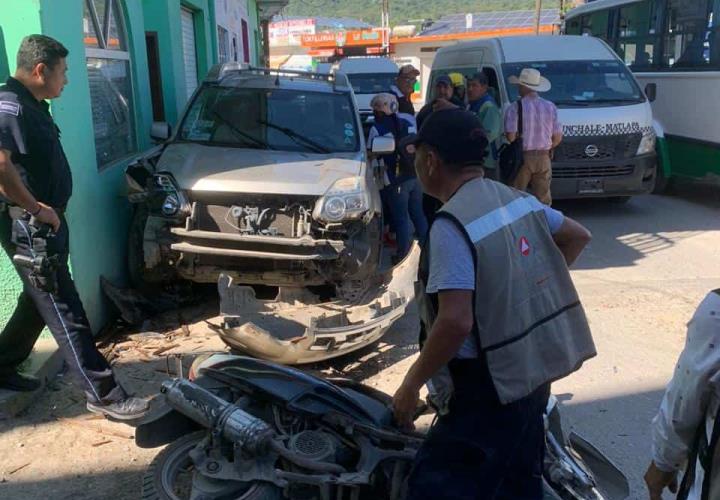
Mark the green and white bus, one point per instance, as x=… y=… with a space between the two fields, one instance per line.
x=673 y=49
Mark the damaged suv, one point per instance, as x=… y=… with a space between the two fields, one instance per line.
x=266 y=181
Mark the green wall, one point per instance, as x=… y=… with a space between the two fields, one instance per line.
x=163 y=17
x=13 y=28
x=99 y=212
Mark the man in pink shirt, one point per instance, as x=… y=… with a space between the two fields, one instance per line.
x=541 y=132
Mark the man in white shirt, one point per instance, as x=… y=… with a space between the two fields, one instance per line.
x=685 y=431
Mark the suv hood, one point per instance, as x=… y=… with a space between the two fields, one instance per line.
x=205 y=168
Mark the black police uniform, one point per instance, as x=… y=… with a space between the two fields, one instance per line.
x=28 y=131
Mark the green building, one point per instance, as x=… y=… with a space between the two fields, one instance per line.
x=131 y=62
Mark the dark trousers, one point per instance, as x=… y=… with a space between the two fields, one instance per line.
x=62 y=312
x=481 y=449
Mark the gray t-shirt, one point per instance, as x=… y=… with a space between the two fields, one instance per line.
x=452 y=266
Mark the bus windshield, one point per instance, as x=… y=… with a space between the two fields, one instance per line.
x=582 y=83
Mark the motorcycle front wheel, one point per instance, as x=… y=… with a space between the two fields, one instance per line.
x=170 y=476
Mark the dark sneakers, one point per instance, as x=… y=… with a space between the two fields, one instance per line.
x=127 y=409
x=20 y=383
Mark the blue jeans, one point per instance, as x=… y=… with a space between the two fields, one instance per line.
x=405 y=201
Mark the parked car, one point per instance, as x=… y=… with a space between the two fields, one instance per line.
x=368 y=76
x=266 y=181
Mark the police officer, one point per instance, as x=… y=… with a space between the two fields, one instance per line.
x=503 y=317
x=35 y=185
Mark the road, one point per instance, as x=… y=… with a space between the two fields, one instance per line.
x=649 y=264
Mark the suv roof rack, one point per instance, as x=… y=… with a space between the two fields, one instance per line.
x=218 y=72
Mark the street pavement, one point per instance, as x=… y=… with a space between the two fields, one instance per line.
x=650 y=263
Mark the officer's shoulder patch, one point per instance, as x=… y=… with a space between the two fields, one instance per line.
x=10 y=108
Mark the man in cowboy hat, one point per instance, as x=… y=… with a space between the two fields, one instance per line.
x=541 y=132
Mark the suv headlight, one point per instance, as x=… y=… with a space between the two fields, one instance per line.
x=347 y=199
x=647 y=143
x=174 y=201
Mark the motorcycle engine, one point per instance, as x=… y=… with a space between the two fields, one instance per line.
x=314 y=445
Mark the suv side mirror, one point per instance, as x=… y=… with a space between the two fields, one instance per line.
x=383 y=145
x=651 y=91
x=160 y=131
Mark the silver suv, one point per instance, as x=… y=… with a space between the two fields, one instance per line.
x=265 y=181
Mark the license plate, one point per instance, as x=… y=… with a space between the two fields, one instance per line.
x=591 y=186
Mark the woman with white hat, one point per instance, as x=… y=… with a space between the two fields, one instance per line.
x=539 y=130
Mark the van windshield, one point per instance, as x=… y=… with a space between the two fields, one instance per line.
x=581 y=83
x=372 y=83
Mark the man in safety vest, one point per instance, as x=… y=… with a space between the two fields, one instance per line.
x=686 y=431
x=503 y=317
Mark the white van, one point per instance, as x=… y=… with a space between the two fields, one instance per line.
x=368 y=76
x=608 y=149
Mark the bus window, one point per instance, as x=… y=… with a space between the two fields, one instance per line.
x=595 y=24
x=690 y=37
x=638 y=34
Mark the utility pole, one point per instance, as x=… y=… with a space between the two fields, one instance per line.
x=538 y=10
x=385 y=22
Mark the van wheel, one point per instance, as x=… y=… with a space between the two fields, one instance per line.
x=662 y=183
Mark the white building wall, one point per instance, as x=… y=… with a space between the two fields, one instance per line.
x=229 y=15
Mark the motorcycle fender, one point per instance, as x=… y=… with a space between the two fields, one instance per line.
x=166 y=427
x=611 y=482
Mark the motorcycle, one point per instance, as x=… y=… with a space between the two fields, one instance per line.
x=244 y=428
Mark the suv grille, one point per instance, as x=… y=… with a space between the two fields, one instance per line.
x=279 y=215
x=599 y=148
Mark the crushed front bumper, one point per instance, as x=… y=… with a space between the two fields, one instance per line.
x=296 y=328
x=198 y=242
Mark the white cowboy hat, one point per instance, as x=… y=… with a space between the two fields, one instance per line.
x=531 y=78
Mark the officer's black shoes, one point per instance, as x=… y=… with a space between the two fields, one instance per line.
x=127 y=409
x=20 y=383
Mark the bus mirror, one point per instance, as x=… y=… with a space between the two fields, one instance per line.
x=651 y=91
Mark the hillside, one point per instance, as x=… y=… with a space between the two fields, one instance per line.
x=401 y=10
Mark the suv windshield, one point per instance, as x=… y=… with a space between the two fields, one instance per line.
x=581 y=83
x=279 y=119
x=372 y=83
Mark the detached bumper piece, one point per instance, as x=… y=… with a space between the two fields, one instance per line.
x=296 y=328
x=255 y=247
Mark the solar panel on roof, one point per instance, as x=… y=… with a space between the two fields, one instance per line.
x=455 y=23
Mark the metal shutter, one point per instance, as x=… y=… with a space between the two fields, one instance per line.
x=189 y=56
